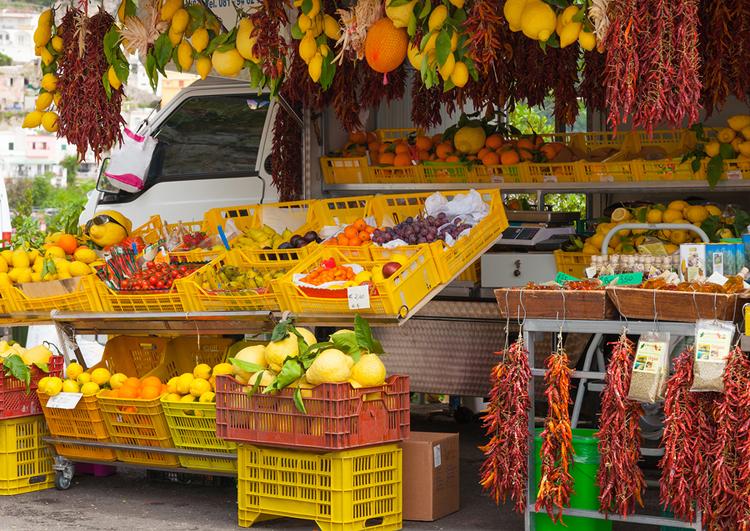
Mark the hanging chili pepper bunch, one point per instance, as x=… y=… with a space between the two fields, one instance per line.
x=620 y=479
x=504 y=472
x=556 y=484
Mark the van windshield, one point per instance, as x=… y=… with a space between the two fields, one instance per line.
x=211 y=136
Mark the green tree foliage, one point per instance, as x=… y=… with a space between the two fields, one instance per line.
x=70 y=165
x=530 y=120
x=5 y=60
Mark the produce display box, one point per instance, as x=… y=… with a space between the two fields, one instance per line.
x=392 y=296
x=681 y=306
x=453 y=260
x=193 y=427
x=113 y=301
x=139 y=422
x=25 y=460
x=517 y=303
x=203 y=291
x=18 y=401
x=342 y=491
x=183 y=353
x=155 y=229
x=84 y=422
x=334 y=211
x=132 y=355
x=77 y=294
x=345 y=170
x=573 y=264
x=338 y=416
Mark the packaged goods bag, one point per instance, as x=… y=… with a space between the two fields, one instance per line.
x=650 y=367
x=128 y=164
x=713 y=341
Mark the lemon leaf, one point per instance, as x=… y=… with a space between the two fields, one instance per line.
x=130 y=8
x=411 y=27
x=298 y=403
x=111 y=43
x=256 y=385
x=281 y=330
x=121 y=69
x=42 y=366
x=726 y=151
x=363 y=333
x=16 y=368
x=443 y=46
x=108 y=90
x=714 y=169
x=426 y=8
x=162 y=50
x=296 y=32
x=245 y=365
x=306 y=6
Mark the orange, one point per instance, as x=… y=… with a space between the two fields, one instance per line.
x=402 y=148
x=374 y=147
x=351 y=232
x=494 y=141
x=364 y=236
x=68 y=243
x=383 y=147
x=525 y=154
x=341 y=239
x=359 y=224
x=127 y=391
x=437 y=139
x=490 y=159
x=358 y=137
x=423 y=155
x=369 y=229
x=402 y=159
x=443 y=150
x=509 y=157
x=355 y=242
x=150 y=392
x=386 y=159
x=538 y=141
x=374 y=157
x=151 y=381
x=385 y=46
x=423 y=143
x=372 y=136
x=452 y=158
x=549 y=152
x=482 y=152
x=525 y=143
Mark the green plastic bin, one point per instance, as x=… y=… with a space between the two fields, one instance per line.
x=585 y=491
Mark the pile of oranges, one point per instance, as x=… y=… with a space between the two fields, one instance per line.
x=354 y=235
x=147 y=388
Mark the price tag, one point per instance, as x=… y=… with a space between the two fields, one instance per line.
x=562 y=278
x=497 y=178
x=623 y=279
x=64 y=401
x=607 y=178
x=358 y=297
x=590 y=272
x=734 y=175
x=437 y=455
x=550 y=178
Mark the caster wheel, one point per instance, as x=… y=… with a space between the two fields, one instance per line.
x=463 y=415
x=62 y=481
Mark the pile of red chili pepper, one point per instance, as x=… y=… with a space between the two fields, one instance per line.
x=556 y=484
x=504 y=472
x=620 y=480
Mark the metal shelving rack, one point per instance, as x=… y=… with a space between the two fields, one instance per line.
x=532 y=327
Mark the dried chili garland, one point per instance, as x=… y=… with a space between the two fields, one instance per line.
x=620 y=479
x=487 y=31
x=563 y=63
x=592 y=85
x=717 y=48
x=529 y=67
x=286 y=156
x=686 y=89
x=504 y=472
x=87 y=117
x=271 y=46
x=556 y=484
x=345 y=101
x=426 y=104
x=622 y=65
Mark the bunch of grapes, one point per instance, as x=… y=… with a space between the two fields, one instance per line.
x=421 y=230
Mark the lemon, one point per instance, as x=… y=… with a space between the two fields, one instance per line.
x=199 y=386
x=324 y=50
x=54 y=386
x=47 y=58
x=654 y=215
x=222 y=368
x=460 y=74
x=538 y=20
x=100 y=376
x=7 y=255
x=245 y=40
x=696 y=214
x=713 y=210
x=85 y=255
x=678 y=204
x=369 y=371
x=180 y=21
x=415 y=58
x=70 y=386
x=596 y=240
x=446 y=69
x=45 y=19
x=24 y=275
x=53 y=251
x=185 y=56
x=570 y=33
x=587 y=40
x=330 y=366
x=739 y=122
x=566 y=17
x=437 y=18
x=621 y=214
x=315 y=67
x=512 y=11
x=726 y=135
x=307 y=47
x=712 y=148
x=169 y=8
x=83 y=378
x=89 y=389
x=207 y=397
x=202 y=370
x=184 y=382
x=79 y=269
x=43 y=101
x=73 y=370
x=174 y=37
x=678 y=236
x=671 y=216
x=42 y=385
x=200 y=39
x=173 y=397
x=203 y=66
x=590 y=249
x=187 y=398
x=304 y=23
x=172 y=384
x=42 y=35
x=3 y=266
x=469 y=140
x=32 y=120
x=117 y=380
x=49 y=82
x=227 y=63
x=333 y=31
x=431 y=43
x=253 y=354
x=277 y=351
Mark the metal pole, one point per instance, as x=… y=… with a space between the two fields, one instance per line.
x=528 y=516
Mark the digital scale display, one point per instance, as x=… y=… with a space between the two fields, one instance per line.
x=520 y=233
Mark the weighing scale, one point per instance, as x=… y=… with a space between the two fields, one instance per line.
x=541 y=230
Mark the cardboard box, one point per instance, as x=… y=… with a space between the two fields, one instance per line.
x=431 y=479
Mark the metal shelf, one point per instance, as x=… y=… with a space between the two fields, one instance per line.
x=25 y=319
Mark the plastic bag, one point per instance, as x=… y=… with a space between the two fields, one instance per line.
x=650 y=367
x=713 y=340
x=469 y=207
x=128 y=164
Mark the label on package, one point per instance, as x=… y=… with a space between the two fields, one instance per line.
x=713 y=344
x=64 y=401
x=437 y=455
x=358 y=297
x=648 y=355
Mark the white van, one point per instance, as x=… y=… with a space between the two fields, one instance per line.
x=214 y=150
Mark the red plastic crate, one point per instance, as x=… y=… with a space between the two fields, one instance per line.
x=15 y=401
x=338 y=416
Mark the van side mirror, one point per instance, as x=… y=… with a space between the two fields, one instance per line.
x=102 y=182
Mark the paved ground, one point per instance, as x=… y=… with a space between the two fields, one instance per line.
x=128 y=501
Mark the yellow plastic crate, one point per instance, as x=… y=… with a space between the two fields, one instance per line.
x=665 y=170
x=151 y=231
x=447 y=172
x=397 y=174
x=614 y=169
x=193 y=427
x=389 y=135
x=554 y=172
x=513 y=173
x=252 y=216
x=345 y=170
x=573 y=264
x=138 y=422
x=337 y=211
x=25 y=461
x=340 y=491
x=156 y=229
x=127 y=302
x=395 y=295
x=183 y=353
x=450 y=261
x=83 y=297
x=746 y=311
x=203 y=291
x=132 y=355
x=84 y=422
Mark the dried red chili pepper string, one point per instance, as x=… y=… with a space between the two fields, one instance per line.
x=270 y=45
x=620 y=479
x=487 y=34
x=622 y=65
x=563 y=64
x=592 y=84
x=504 y=472
x=556 y=484
x=426 y=104
x=345 y=100
x=87 y=117
x=716 y=50
x=686 y=89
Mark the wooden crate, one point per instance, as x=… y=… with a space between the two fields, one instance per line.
x=554 y=304
x=681 y=306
